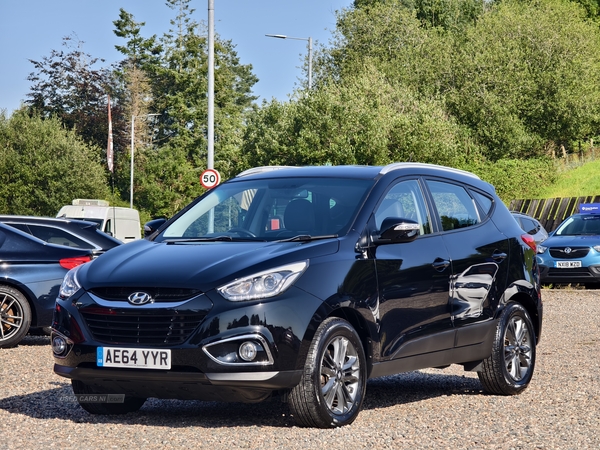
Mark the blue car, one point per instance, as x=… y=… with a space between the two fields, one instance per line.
x=571 y=255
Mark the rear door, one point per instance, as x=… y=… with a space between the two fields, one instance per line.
x=479 y=254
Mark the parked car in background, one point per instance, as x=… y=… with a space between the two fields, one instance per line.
x=531 y=226
x=71 y=233
x=304 y=282
x=30 y=276
x=571 y=255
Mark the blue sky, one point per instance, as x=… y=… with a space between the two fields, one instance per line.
x=30 y=29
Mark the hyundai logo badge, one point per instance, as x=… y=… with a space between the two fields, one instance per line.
x=140 y=298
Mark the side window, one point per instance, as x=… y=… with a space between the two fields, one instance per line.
x=404 y=200
x=455 y=206
x=485 y=203
x=529 y=225
x=57 y=236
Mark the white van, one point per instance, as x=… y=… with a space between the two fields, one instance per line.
x=122 y=223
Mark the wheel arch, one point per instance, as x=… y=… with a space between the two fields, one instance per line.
x=527 y=302
x=360 y=325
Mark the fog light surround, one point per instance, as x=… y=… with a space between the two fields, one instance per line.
x=246 y=350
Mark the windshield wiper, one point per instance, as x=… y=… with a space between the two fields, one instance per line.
x=222 y=238
x=308 y=237
x=199 y=239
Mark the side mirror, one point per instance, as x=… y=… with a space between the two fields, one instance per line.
x=153 y=225
x=397 y=230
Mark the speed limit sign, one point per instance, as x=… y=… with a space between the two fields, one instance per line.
x=210 y=178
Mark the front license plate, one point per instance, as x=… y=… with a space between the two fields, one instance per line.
x=567 y=264
x=138 y=358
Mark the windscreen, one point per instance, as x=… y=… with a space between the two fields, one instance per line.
x=585 y=224
x=273 y=209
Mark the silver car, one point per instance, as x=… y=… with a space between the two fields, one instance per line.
x=531 y=226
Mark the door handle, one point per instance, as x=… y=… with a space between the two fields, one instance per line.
x=499 y=256
x=440 y=264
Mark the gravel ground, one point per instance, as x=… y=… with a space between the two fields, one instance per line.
x=440 y=409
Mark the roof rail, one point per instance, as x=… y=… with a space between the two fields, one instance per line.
x=396 y=166
x=262 y=169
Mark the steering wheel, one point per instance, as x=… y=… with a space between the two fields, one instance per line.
x=242 y=232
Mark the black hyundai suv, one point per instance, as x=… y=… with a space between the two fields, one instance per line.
x=303 y=282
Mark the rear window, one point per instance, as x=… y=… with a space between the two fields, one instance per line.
x=53 y=235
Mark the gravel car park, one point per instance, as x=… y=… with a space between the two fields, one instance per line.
x=427 y=409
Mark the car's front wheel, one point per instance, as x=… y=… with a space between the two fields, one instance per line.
x=98 y=401
x=508 y=370
x=15 y=316
x=333 y=384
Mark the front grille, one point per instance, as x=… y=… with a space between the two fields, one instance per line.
x=157 y=294
x=152 y=327
x=575 y=253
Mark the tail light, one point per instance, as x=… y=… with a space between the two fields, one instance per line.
x=528 y=239
x=69 y=263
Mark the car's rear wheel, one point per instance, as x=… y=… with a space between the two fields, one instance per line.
x=508 y=370
x=333 y=385
x=98 y=400
x=15 y=316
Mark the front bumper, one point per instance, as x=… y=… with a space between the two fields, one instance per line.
x=247 y=387
x=554 y=275
x=204 y=365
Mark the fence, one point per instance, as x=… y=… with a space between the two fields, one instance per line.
x=551 y=211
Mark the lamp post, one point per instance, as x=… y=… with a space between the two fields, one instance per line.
x=132 y=146
x=309 y=39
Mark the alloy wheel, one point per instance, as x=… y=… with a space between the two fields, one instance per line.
x=11 y=316
x=340 y=375
x=517 y=348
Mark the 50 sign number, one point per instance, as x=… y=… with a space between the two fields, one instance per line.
x=210 y=178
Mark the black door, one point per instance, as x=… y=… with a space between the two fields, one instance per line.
x=413 y=281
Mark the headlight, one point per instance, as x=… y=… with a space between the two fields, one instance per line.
x=597 y=248
x=263 y=284
x=541 y=249
x=70 y=285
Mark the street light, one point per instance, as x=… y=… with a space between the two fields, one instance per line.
x=309 y=39
x=132 y=145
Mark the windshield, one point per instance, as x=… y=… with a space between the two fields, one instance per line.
x=270 y=210
x=587 y=224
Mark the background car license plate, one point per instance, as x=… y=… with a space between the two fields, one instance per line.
x=567 y=264
x=139 y=358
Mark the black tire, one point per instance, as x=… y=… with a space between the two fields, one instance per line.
x=335 y=370
x=508 y=370
x=15 y=317
x=130 y=404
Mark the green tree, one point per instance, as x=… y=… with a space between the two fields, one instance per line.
x=178 y=93
x=68 y=85
x=45 y=166
x=389 y=36
x=365 y=119
x=527 y=78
